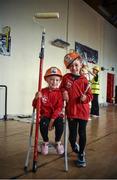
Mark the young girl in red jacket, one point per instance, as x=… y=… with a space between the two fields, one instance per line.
x=73 y=87
x=51 y=109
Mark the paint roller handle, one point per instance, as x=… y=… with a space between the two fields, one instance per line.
x=65 y=103
x=87 y=88
x=83 y=95
x=41 y=55
x=64 y=106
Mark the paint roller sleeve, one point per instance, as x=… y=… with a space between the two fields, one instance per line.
x=48 y=15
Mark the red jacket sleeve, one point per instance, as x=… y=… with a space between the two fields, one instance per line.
x=62 y=85
x=58 y=107
x=34 y=103
x=80 y=89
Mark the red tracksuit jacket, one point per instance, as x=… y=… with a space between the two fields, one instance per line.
x=51 y=103
x=76 y=87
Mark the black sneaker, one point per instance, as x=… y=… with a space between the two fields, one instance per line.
x=76 y=148
x=81 y=162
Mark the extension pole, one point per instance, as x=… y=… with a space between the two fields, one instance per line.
x=65 y=138
x=37 y=16
x=30 y=142
x=41 y=56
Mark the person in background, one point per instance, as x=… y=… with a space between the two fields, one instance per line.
x=51 y=109
x=95 y=87
x=73 y=88
x=85 y=72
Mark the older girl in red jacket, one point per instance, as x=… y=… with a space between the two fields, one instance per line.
x=73 y=87
x=51 y=109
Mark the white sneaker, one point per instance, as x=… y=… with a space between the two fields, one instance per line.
x=89 y=119
x=95 y=116
x=59 y=148
x=44 y=148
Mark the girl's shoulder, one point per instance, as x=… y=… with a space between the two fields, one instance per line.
x=67 y=75
x=45 y=89
x=83 y=79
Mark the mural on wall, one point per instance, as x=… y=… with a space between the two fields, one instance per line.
x=5 y=41
x=88 y=54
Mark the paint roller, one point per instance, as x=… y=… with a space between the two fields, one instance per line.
x=48 y=15
x=37 y=16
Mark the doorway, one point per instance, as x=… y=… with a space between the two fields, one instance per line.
x=110 y=87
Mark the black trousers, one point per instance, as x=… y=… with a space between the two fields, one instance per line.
x=58 y=124
x=95 y=105
x=77 y=126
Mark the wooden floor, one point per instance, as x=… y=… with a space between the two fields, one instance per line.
x=101 y=151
